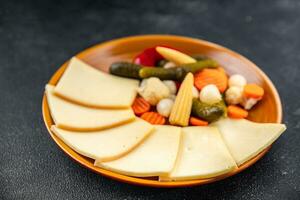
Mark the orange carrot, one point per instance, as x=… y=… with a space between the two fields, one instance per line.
x=221 y=69
x=253 y=91
x=140 y=106
x=236 y=112
x=211 y=76
x=197 y=122
x=153 y=118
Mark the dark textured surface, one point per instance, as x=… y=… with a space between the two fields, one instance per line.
x=36 y=38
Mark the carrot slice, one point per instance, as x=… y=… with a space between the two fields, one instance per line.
x=253 y=91
x=236 y=112
x=211 y=76
x=140 y=106
x=197 y=122
x=153 y=118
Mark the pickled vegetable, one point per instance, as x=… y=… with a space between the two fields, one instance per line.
x=199 y=57
x=181 y=109
x=197 y=66
x=208 y=112
x=175 y=56
x=125 y=69
x=176 y=73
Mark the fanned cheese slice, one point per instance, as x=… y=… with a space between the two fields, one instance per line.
x=245 y=139
x=68 y=115
x=155 y=156
x=86 y=85
x=202 y=155
x=107 y=144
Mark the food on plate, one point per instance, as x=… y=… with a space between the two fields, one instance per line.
x=175 y=56
x=108 y=117
x=154 y=157
x=153 y=90
x=108 y=144
x=211 y=76
x=88 y=86
x=210 y=94
x=245 y=139
x=202 y=154
x=71 y=116
x=208 y=112
x=181 y=109
x=153 y=118
x=164 y=107
x=236 y=112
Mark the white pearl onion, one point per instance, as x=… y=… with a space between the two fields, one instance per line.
x=237 y=80
x=195 y=92
x=210 y=94
x=164 y=107
x=171 y=85
x=169 y=65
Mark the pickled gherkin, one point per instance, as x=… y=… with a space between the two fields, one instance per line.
x=197 y=66
x=125 y=69
x=176 y=73
x=208 y=112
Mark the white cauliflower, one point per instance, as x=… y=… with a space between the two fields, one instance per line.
x=234 y=95
x=195 y=92
x=210 y=94
x=171 y=85
x=248 y=103
x=169 y=65
x=153 y=90
x=237 y=80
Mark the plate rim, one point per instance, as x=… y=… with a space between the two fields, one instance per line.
x=142 y=181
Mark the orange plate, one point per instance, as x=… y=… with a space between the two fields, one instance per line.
x=102 y=55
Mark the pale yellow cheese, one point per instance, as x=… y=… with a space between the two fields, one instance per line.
x=86 y=85
x=71 y=116
x=202 y=155
x=108 y=144
x=245 y=139
x=155 y=156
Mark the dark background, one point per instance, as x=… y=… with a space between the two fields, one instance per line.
x=37 y=37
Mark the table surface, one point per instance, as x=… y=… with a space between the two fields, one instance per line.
x=36 y=38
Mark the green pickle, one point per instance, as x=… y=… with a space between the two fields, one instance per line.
x=208 y=112
x=125 y=69
x=199 y=65
x=176 y=73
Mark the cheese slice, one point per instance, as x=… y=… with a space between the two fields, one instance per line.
x=155 y=156
x=202 y=155
x=86 y=85
x=107 y=144
x=245 y=139
x=71 y=116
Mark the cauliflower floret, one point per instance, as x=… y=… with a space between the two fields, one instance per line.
x=210 y=94
x=248 y=103
x=164 y=107
x=171 y=85
x=153 y=90
x=234 y=95
x=237 y=80
x=195 y=92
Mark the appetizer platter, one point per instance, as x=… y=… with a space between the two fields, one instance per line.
x=163 y=111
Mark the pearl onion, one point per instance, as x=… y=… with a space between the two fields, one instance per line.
x=195 y=92
x=164 y=107
x=237 y=80
x=234 y=95
x=171 y=85
x=210 y=94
